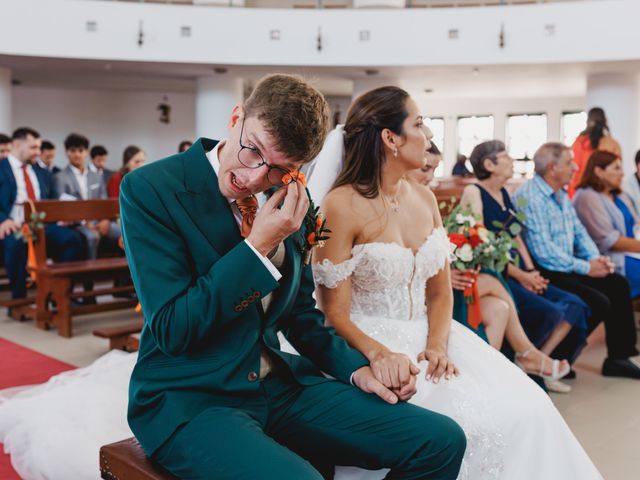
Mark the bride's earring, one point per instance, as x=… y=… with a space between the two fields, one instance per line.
x=395 y=152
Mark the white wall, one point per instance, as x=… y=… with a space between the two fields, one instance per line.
x=114 y=119
x=396 y=37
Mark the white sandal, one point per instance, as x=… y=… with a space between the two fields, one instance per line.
x=556 y=373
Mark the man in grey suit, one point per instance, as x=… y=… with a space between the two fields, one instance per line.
x=77 y=182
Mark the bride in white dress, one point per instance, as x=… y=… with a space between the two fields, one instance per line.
x=54 y=430
x=386 y=265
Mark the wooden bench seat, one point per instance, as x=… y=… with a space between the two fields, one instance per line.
x=125 y=460
x=20 y=308
x=121 y=338
x=55 y=281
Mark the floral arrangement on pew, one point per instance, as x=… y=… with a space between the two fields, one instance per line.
x=475 y=247
x=28 y=234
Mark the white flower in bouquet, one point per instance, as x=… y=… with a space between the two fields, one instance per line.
x=489 y=250
x=465 y=253
x=461 y=219
x=484 y=234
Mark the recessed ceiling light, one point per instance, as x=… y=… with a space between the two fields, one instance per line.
x=275 y=35
x=364 y=35
x=185 y=31
x=92 y=26
x=453 y=33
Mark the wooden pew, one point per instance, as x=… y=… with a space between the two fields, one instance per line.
x=121 y=338
x=125 y=460
x=55 y=280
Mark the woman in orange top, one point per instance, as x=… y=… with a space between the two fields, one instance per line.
x=595 y=137
x=132 y=158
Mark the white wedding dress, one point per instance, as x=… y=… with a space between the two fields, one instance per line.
x=513 y=430
x=53 y=431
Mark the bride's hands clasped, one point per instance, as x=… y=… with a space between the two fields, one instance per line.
x=439 y=364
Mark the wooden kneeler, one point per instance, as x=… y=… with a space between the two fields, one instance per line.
x=125 y=460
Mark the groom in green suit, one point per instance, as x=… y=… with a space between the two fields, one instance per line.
x=212 y=396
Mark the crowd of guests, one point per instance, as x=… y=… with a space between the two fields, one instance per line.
x=577 y=263
x=28 y=173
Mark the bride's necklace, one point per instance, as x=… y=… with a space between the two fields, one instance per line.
x=392 y=200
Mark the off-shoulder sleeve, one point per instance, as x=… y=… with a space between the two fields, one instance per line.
x=330 y=275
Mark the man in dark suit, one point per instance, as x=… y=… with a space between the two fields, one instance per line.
x=99 y=156
x=20 y=182
x=48 y=157
x=212 y=395
x=5 y=146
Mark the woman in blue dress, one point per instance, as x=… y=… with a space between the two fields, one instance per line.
x=609 y=216
x=550 y=316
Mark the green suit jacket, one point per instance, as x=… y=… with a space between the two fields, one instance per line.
x=200 y=287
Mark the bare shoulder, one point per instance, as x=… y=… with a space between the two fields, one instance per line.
x=423 y=192
x=340 y=206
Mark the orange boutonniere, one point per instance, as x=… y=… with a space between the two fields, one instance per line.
x=294 y=176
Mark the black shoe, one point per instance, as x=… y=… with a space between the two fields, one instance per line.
x=570 y=376
x=622 y=367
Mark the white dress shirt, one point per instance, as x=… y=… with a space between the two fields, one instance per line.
x=83 y=181
x=17 y=211
x=215 y=164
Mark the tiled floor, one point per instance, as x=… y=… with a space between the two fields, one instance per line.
x=602 y=412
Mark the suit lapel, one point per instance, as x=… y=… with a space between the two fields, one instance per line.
x=204 y=203
x=13 y=192
x=77 y=192
x=289 y=282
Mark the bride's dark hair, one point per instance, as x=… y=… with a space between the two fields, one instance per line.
x=370 y=113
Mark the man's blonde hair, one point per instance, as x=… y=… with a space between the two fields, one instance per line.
x=293 y=112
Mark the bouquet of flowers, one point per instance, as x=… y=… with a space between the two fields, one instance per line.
x=475 y=247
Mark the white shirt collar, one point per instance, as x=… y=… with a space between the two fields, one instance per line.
x=14 y=162
x=78 y=172
x=93 y=168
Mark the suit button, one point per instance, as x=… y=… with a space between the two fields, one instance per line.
x=252 y=377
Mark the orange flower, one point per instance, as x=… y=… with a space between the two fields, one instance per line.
x=296 y=175
x=319 y=220
x=311 y=238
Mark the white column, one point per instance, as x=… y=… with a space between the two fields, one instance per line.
x=617 y=94
x=6 y=125
x=215 y=98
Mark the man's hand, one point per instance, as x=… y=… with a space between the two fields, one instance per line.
x=103 y=227
x=600 y=267
x=408 y=391
x=364 y=379
x=8 y=227
x=393 y=370
x=273 y=224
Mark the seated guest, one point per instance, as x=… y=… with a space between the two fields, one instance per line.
x=5 y=146
x=568 y=257
x=498 y=314
x=77 y=182
x=99 y=156
x=547 y=313
x=460 y=168
x=132 y=158
x=608 y=214
x=631 y=185
x=48 y=157
x=20 y=181
x=184 y=145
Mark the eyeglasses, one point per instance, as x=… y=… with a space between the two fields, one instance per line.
x=250 y=157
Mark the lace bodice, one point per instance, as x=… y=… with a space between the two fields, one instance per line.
x=387 y=279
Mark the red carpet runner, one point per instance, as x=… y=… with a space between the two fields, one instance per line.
x=23 y=366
